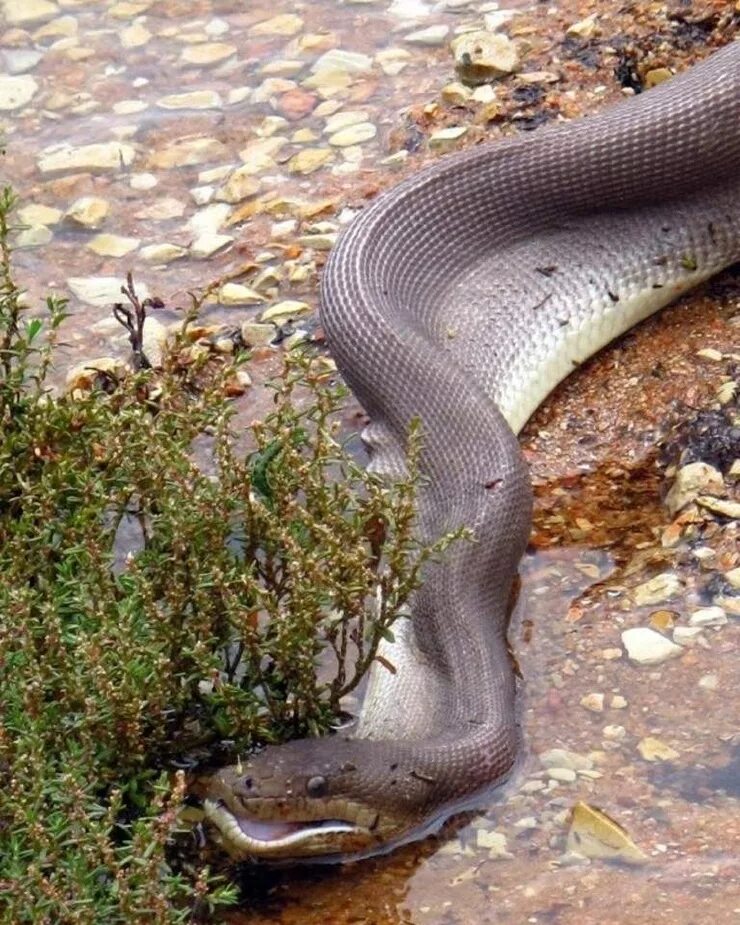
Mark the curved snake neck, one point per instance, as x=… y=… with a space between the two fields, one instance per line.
x=463 y=296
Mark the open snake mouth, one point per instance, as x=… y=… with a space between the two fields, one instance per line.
x=263 y=838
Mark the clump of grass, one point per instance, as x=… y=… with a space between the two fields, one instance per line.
x=167 y=599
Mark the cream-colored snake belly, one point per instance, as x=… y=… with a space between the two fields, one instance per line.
x=463 y=296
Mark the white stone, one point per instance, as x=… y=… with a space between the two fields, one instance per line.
x=112 y=245
x=484 y=56
x=23 y=12
x=341 y=120
x=143 y=181
x=432 y=35
x=240 y=185
x=562 y=758
x=708 y=616
x=209 y=244
x=208 y=53
x=288 y=308
x=102 y=291
x=691 y=481
x=202 y=195
x=353 y=135
x=236 y=294
x=20 y=60
x=37 y=214
x=660 y=588
x=154 y=341
x=210 y=219
x=111 y=155
x=187 y=152
x=446 y=137
x=645 y=646
x=286 y=24
x=129 y=107
x=34 y=236
x=88 y=211
x=197 y=99
x=687 y=635
x=336 y=59
x=135 y=36
x=494 y=20
x=15 y=92
x=564 y=775
x=162 y=253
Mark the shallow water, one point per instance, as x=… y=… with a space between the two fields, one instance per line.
x=103 y=72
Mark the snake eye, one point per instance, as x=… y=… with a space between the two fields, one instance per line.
x=248 y=783
x=317 y=786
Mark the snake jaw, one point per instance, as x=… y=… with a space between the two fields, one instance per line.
x=244 y=836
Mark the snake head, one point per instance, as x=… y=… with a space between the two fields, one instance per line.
x=326 y=799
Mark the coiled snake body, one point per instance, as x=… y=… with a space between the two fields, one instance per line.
x=463 y=296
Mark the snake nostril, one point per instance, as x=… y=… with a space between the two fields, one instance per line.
x=248 y=783
x=317 y=786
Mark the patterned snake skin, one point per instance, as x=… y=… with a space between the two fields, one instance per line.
x=463 y=296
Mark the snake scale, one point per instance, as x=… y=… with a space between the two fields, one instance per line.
x=463 y=296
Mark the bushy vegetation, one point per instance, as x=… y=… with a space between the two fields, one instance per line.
x=167 y=597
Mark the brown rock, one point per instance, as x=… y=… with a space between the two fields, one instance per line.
x=296 y=104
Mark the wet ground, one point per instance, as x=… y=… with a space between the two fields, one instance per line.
x=228 y=148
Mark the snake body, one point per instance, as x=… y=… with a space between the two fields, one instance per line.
x=463 y=296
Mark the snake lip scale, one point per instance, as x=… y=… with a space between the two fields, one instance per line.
x=462 y=297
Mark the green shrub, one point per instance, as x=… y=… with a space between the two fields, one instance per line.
x=245 y=570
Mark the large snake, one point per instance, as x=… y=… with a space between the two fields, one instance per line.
x=463 y=296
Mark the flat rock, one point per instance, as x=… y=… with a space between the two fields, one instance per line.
x=720 y=506
x=24 y=12
x=288 y=308
x=584 y=28
x=112 y=245
x=209 y=219
x=660 y=588
x=198 y=99
x=237 y=294
x=337 y=59
x=255 y=334
x=88 y=212
x=135 y=36
x=101 y=291
x=208 y=53
x=708 y=616
x=16 y=92
x=594 y=834
x=653 y=749
x=284 y=24
x=188 y=151
x=37 y=214
x=446 y=137
x=648 y=647
x=309 y=160
x=112 y=155
x=34 y=236
x=697 y=478
x=208 y=244
x=154 y=341
x=431 y=36
x=481 y=57
x=162 y=253
x=563 y=758
x=240 y=185
x=353 y=135
x=20 y=60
